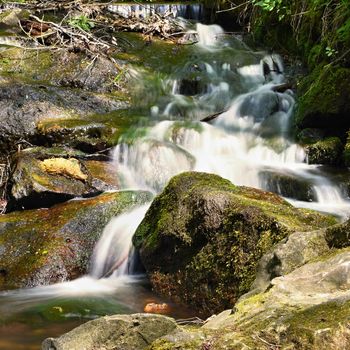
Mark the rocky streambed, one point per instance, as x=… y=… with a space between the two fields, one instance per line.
x=105 y=150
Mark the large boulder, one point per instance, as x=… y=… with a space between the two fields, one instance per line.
x=127 y=332
x=202 y=238
x=39 y=247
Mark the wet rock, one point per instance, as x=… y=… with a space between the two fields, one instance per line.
x=327 y=151
x=45 y=246
x=202 y=238
x=42 y=179
x=23 y=106
x=86 y=136
x=127 y=332
x=260 y=106
x=287 y=185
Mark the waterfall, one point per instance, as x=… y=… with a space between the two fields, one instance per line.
x=113 y=252
x=249 y=138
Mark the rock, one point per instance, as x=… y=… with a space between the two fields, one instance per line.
x=39 y=247
x=9 y=19
x=287 y=185
x=260 y=105
x=154 y=308
x=292 y=252
x=327 y=151
x=127 y=332
x=311 y=135
x=202 y=238
x=42 y=178
x=306 y=309
x=338 y=236
x=84 y=135
x=324 y=100
x=22 y=107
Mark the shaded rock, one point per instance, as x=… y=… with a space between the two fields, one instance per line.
x=287 y=185
x=41 y=179
x=127 y=332
x=311 y=135
x=346 y=152
x=202 y=238
x=327 y=151
x=338 y=236
x=324 y=100
x=39 y=247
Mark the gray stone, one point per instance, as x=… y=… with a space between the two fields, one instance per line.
x=124 y=332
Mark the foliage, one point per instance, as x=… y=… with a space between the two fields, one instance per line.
x=81 y=22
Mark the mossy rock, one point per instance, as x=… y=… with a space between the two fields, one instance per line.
x=324 y=100
x=42 y=178
x=338 y=236
x=326 y=152
x=39 y=247
x=82 y=134
x=202 y=238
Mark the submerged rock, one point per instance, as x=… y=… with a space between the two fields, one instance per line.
x=127 y=332
x=39 y=247
x=202 y=238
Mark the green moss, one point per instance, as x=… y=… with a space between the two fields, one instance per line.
x=327 y=151
x=202 y=238
x=324 y=100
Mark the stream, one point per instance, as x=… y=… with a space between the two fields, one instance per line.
x=173 y=88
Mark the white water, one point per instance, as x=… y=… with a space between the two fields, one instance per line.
x=250 y=137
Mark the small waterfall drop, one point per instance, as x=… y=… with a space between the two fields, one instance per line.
x=113 y=253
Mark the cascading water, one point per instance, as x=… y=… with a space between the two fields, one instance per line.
x=247 y=140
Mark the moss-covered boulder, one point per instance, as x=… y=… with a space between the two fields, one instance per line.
x=327 y=151
x=202 y=238
x=324 y=100
x=43 y=177
x=127 y=332
x=45 y=246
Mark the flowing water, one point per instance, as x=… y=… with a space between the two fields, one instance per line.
x=248 y=143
